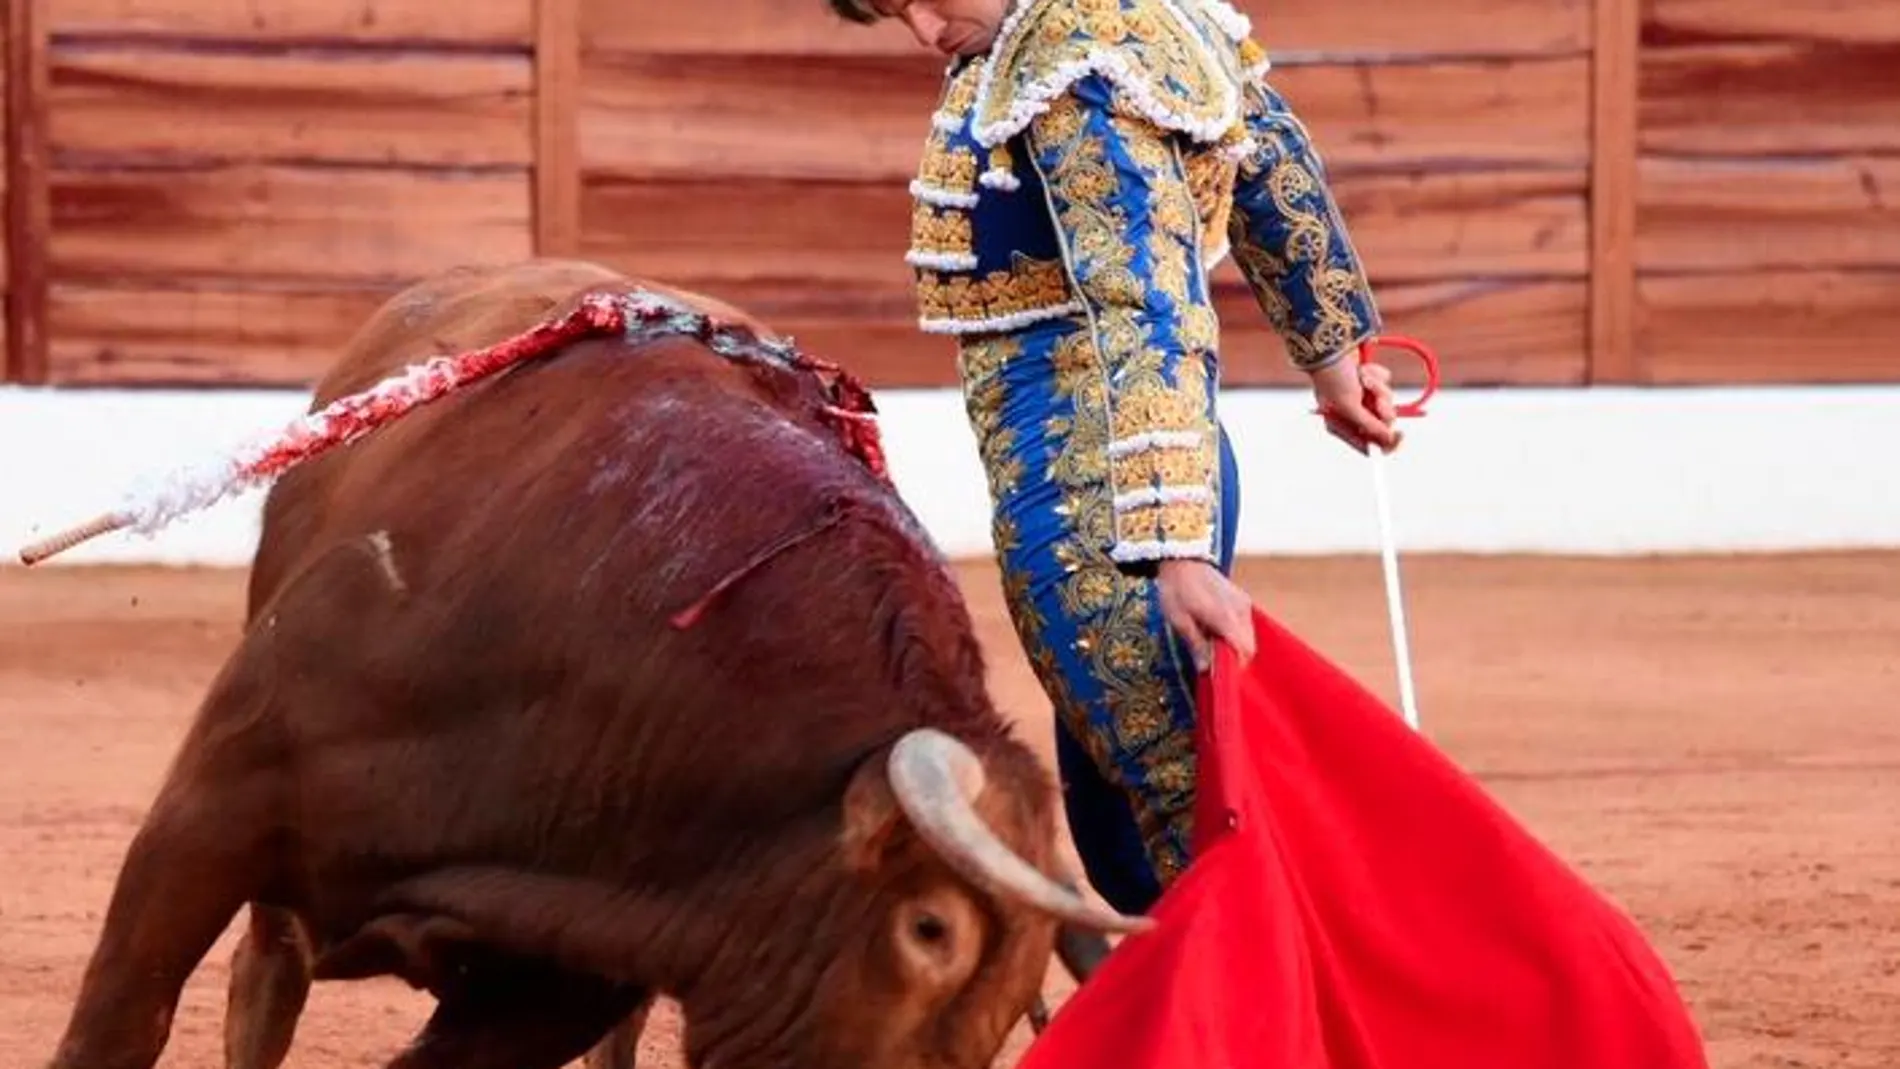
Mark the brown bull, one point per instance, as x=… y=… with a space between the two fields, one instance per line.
x=461 y=743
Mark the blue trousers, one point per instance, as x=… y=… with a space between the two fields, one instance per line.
x=1122 y=684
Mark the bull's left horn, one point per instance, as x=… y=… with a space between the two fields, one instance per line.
x=936 y=779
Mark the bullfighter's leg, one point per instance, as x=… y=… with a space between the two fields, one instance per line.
x=513 y=1014
x=270 y=982
x=1122 y=684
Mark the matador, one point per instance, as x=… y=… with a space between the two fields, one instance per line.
x=1088 y=164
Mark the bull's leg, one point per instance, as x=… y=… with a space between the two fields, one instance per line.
x=270 y=981
x=622 y=1045
x=183 y=879
x=1081 y=952
x=516 y=1015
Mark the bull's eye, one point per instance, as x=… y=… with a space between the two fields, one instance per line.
x=929 y=928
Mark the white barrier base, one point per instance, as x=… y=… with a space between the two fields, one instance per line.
x=1551 y=471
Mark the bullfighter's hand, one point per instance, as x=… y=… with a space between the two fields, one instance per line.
x=1358 y=404
x=1203 y=605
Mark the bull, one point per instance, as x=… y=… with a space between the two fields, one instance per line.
x=467 y=741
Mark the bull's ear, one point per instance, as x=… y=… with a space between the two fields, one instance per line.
x=872 y=818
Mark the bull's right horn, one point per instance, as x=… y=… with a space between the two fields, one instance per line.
x=936 y=779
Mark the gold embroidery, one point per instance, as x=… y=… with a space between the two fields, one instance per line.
x=1210 y=178
x=1153 y=405
x=1181 y=521
x=1305 y=211
x=981 y=365
x=1031 y=287
x=1167 y=467
x=1157 y=391
x=942 y=231
x=952 y=170
x=961 y=92
x=947 y=168
x=1164 y=69
x=1123 y=642
x=1253 y=57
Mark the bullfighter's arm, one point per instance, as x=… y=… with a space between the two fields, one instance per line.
x=1120 y=200
x=1288 y=236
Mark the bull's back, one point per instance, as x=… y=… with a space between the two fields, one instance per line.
x=474 y=307
x=458 y=310
x=455 y=311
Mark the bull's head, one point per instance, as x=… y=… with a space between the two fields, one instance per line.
x=939 y=937
x=958 y=855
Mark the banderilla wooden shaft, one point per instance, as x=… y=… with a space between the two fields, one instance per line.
x=72 y=536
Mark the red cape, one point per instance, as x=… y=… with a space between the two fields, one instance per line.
x=1358 y=902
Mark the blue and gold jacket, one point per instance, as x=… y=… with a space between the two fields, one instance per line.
x=1094 y=165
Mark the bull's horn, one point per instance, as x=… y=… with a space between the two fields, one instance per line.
x=936 y=779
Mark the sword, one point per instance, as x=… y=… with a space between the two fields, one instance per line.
x=1382 y=502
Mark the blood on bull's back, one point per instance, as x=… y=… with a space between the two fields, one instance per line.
x=517 y=564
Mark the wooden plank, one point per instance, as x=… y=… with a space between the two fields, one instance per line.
x=26 y=194
x=1374 y=29
x=1486 y=332
x=1355 y=28
x=141 y=335
x=6 y=343
x=145 y=103
x=860 y=118
x=1786 y=214
x=1416 y=227
x=262 y=222
x=1799 y=326
x=793 y=117
x=1675 y=22
x=490 y=22
x=558 y=86
x=6 y=65
x=1616 y=101
x=1434 y=225
x=1776 y=98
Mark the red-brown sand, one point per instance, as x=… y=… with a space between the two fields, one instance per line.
x=1715 y=742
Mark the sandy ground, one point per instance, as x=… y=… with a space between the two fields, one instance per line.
x=1716 y=743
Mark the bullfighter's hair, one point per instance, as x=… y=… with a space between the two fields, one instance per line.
x=858 y=11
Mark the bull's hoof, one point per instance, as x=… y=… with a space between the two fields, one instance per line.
x=1038 y=1017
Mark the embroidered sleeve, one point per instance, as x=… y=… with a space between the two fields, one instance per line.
x=1121 y=203
x=1291 y=243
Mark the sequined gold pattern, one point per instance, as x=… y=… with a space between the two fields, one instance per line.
x=950 y=170
x=941 y=237
x=1093 y=633
x=1160 y=64
x=999 y=300
x=1112 y=177
x=1291 y=244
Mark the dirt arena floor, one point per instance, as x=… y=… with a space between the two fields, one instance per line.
x=1716 y=743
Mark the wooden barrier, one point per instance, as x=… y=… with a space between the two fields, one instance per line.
x=1551 y=191
x=1768 y=191
x=234 y=186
